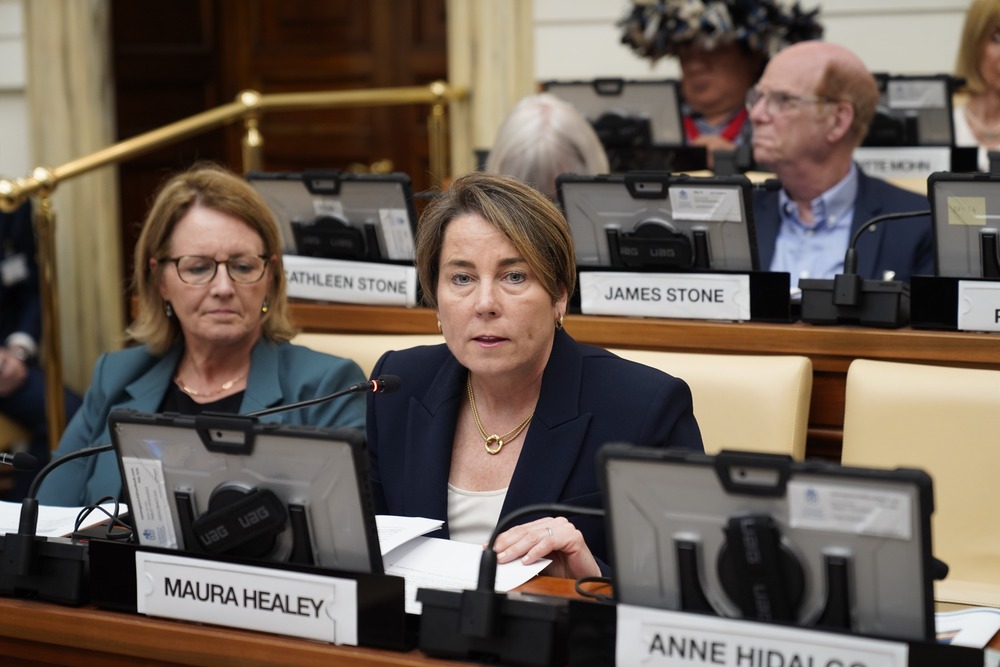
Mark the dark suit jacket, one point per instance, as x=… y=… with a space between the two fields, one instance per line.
x=20 y=304
x=905 y=246
x=589 y=397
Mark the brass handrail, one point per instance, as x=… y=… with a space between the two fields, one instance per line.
x=248 y=107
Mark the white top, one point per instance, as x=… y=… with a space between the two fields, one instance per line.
x=472 y=515
x=965 y=137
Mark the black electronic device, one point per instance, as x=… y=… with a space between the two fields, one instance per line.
x=231 y=485
x=913 y=110
x=965 y=211
x=335 y=215
x=851 y=299
x=763 y=537
x=492 y=627
x=660 y=221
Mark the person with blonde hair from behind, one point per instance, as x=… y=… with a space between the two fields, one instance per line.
x=542 y=137
x=977 y=122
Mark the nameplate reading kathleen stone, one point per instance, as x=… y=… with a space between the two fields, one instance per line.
x=351 y=282
x=251 y=598
x=700 y=296
x=668 y=638
x=978 y=305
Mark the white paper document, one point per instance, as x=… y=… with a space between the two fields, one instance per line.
x=394 y=531
x=968 y=627
x=53 y=521
x=429 y=562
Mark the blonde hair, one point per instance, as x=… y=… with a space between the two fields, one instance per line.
x=216 y=188
x=534 y=225
x=542 y=137
x=982 y=19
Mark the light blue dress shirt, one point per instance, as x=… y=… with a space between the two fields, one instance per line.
x=816 y=250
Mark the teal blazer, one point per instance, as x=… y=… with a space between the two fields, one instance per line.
x=280 y=373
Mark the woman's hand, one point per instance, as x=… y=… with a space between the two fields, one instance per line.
x=550 y=537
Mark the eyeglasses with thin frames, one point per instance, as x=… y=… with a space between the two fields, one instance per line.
x=777 y=102
x=199 y=270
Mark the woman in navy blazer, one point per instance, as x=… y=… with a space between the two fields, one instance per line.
x=212 y=320
x=511 y=411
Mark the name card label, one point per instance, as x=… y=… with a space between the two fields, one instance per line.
x=978 y=305
x=657 y=637
x=903 y=162
x=699 y=296
x=350 y=282
x=251 y=598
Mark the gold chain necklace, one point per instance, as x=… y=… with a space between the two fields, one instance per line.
x=493 y=443
x=205 y=394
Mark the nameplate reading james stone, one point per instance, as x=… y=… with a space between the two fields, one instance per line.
x=350 y=282
x=656 y=637
x=251 y=598
x=699 y=296
x=978 y=305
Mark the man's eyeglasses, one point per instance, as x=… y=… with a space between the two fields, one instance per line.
x=777 y=102
x=198 y=270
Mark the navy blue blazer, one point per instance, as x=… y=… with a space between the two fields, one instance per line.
x=589 y=397
x=20 y=302
x=280 y=373
x=905 y=246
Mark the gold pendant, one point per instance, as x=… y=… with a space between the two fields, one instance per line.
x=494 y=444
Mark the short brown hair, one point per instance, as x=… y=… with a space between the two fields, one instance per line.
x=853 y=85
x=216 y=188
x=534 y=225
x=982 y=19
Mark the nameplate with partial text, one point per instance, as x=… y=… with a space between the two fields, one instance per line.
x=302 y=605
x=345 y=281
x=903 y=161
x=657 y=637
x=703 y=296
x=978 y=305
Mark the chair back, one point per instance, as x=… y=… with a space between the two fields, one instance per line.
x=742 y=402
x=947 y=422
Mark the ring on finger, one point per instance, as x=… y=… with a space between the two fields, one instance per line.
x=548 y=530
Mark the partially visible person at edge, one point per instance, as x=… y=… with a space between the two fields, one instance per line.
x=543 y=137
x=22 y=380
x=723 y=48
x=977 y=121
x=510 y=411
x=810 y=110
x=212 y=327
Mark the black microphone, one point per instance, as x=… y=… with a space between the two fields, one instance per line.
x=383 y=384
x=20 y=461
x=483 y=624
x=39 y=567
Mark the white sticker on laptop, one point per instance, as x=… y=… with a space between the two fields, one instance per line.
x=396 y=232
x=154 y=524
x=850 y=509
x=710 y=204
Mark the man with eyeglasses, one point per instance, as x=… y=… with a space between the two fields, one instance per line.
x=810 y=110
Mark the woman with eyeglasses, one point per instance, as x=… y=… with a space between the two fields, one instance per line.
x=977 y=122
x=213 y=329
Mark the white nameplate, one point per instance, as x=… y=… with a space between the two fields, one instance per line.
x=699 y=296
x=978 y=305
x=903 y=162
x=252 y=598
x=657 y=637
x=350 y=282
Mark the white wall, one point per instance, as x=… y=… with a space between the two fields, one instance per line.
x=578 y=39
x=15 y=152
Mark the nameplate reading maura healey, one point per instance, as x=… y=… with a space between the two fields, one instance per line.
x=351 y=282
x=251 y=598
x=699 y=296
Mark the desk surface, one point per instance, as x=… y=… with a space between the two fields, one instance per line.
x=831 y=349
x=48 y=634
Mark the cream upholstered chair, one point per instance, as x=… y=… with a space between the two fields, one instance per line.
x=742 y=402
x=363 y=348
x=947 y=422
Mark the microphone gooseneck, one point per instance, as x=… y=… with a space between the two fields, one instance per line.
x=383 y=384
x=852 y=253
x=29 y=506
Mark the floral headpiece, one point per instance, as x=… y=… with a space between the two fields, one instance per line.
x=655 y=28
